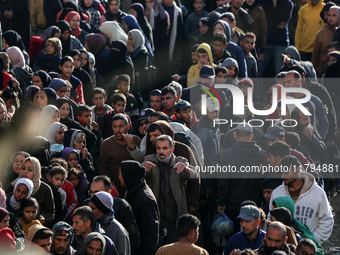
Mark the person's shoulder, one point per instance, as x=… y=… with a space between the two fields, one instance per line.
x=108 y=140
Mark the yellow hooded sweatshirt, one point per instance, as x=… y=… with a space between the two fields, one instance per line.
x=194 y=71
x=308 y=25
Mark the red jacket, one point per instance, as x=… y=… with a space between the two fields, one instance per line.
x=72 y=198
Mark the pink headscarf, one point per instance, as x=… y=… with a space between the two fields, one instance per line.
x=75 y=32
x=16 y=57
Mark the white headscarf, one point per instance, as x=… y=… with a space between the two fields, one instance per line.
x=15 y=204
x=46 y=117
x=114 y=31
x=52 y=131
x=138 y=39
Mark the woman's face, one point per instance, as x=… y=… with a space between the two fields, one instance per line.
x=20 y=192
x=88 y=3
x=114 y=6
x=84 y=58
x=17 y=163
x=50 y=50
x=37 y=81
x=67 y=68
x=91 y=63
x=130 y=43
x=64 y=110
x=133 y=13
x=80 y=144
x=76 y=60
x=62 y=91
x=150 y=3
x=40 y=99
x=65 y=35
x=27 y=170
x=74 y=22
x=59 y=138
x=5 y=44
x=56 y=117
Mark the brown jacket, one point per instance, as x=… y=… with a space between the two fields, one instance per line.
x=319 y=54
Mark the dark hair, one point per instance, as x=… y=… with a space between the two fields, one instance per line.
x=59 y=161
x=155 y=92
x=202 y=51
x=85 y=213
x=83 y=108
x=43 y=233
x=105 y=179
x=292 y=139
x=66 y=59
x=334 y=44
x=298 y=68
x=98 y=90
x=222 y=69
x=160 y=115
x=56 y=169
x=109 y=1
x=229 y=15
x=153 y=128
x=74 y=52
x=9 y=93
x=117 y=97
x=296 y=74
x=123 y=78
x=283 y=215
x=221 y=37
x=120 y=116
x=278 y=148
x=75 y=171
x=249 y=35
x=186 y=223
x=168 y=89
x=306 y=242
x=29 y=201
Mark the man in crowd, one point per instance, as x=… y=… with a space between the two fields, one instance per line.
x=62 y=239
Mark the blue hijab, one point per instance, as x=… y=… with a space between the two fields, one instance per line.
x=132 y=23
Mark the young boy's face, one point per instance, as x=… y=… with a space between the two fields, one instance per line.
x=330 y=50
x=124 y=87
x=248 y=44
x=85 y=118
x=99 y=100
x=74 y=179
x=221 y=3
x=221 y=78
x=218 y=47
x=57 y=180
x=119 y=107
x=213 y=115
x=29 y=213
x=203 y=58
x=231 y=71
x=199 y=5
x=203 y=29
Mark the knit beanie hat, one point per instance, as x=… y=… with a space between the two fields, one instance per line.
x=3 y=213
x=103 y=201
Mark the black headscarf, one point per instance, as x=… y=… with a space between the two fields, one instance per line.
x=70 y=6
x=13 y=39
x=86 y=67
x=29 y=95
x=52 y=95
x=45 y=78
x=64 y=26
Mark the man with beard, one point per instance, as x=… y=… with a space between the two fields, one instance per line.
x=62 y=239
x=323 y=38
x=115 y=149
x=250 y=236
x=314 y=105
x=275 y=240
x=311 y=205
x=309 y=136
x=167 y=175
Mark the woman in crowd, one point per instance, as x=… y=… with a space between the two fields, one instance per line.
x=73 y=18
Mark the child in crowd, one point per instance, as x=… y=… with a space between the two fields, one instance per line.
x=29 y=209
x=99 y=108
x=248 y=43
x=191 y=24
x=123 y=86
x=50 y=58
x=221 y=75
x=232 y=67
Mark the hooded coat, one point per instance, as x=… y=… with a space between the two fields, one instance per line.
x=89 y=238
x=30 y=246
x=311 y=207
x=144 y=205
x=62 y=225
x=194 y=71
x=305 y=232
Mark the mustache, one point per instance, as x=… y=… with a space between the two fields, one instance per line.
x=162 y=154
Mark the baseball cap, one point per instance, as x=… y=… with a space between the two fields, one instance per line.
x=207 y=72
x=182 y=105
x=244 y=127
x=211 y=106
x=290 y=161
x=249 y=212
x=274 y=131
x=145 y=113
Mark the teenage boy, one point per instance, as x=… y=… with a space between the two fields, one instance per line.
x=99 y=108
x=248 y=44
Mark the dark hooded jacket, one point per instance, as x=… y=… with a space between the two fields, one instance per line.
x=193 y=188
x=63 y=226
x=90 y=237
x=143 y=203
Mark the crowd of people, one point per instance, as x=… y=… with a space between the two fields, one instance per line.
x=112 y=114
